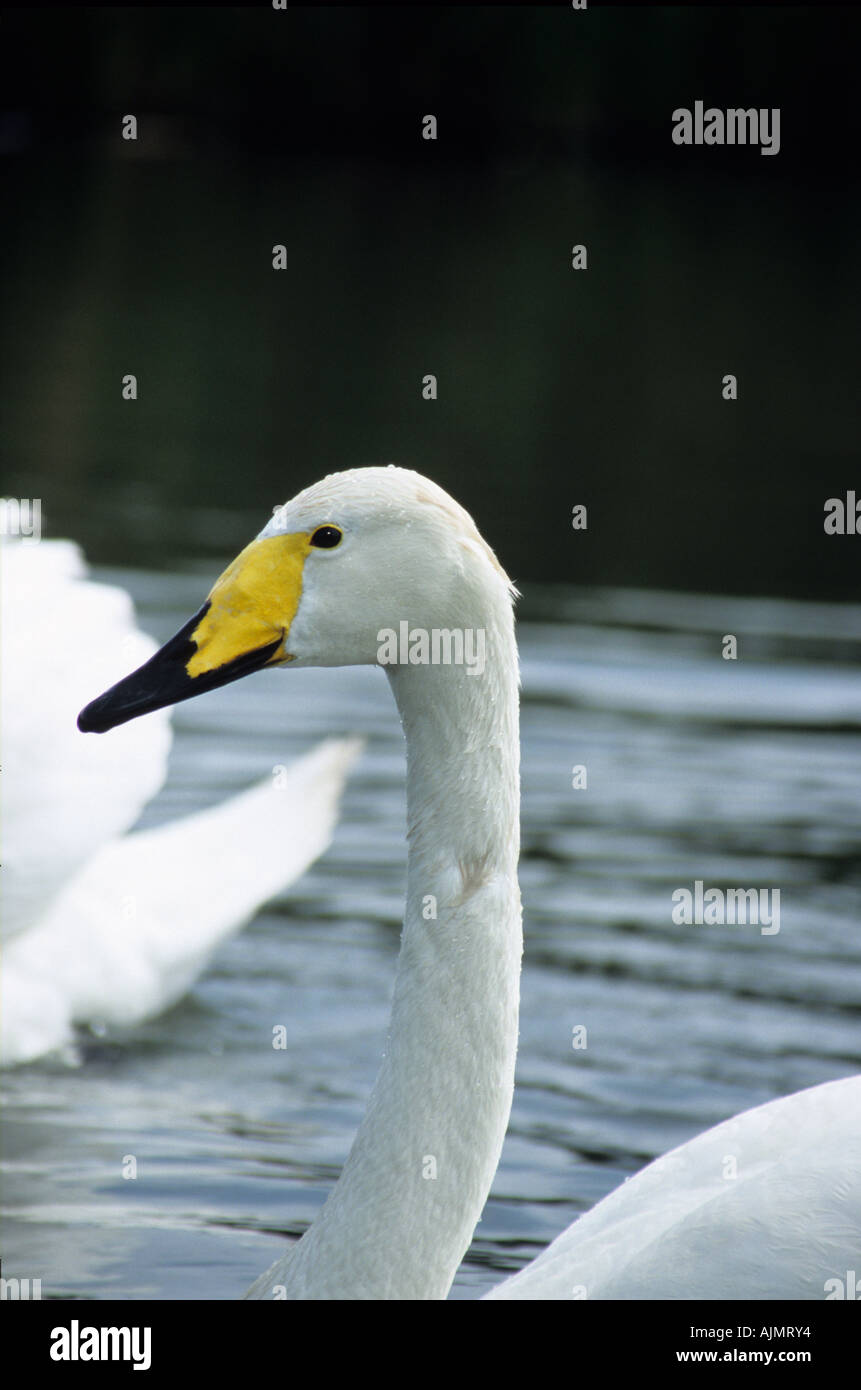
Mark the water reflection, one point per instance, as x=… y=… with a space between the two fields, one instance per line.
x=746 y=777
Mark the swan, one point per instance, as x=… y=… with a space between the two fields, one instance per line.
x=335 y=571
x=104 y=927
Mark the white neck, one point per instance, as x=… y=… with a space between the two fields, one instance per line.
x=403 y=1212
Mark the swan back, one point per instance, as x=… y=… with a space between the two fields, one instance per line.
x=765 y=1205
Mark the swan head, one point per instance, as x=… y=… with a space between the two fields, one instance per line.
x=348 y=559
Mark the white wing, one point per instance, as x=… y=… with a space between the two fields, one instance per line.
x=136 y=925
x=62 y=639
x=766 y=1205
x=104 y=927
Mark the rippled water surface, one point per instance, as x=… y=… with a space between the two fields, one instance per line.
x=741 y=774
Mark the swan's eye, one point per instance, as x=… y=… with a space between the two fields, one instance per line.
x=327 y=537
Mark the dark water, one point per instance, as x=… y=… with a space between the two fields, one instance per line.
x=406 y=257
x=742 y=774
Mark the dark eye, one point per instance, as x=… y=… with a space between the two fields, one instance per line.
x=327 y=537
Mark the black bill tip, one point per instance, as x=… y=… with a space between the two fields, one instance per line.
x=164 y=680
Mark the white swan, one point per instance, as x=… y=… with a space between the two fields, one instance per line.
x=353 y=556
x=102 y=927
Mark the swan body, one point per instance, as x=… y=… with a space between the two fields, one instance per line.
x=347 y=560
x=765 y=1205
x=111 y=928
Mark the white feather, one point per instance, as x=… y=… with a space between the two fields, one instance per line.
x=105 y=927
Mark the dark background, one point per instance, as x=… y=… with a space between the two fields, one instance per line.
x=407 y=257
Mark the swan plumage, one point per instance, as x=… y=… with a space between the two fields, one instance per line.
x=406 y=1204
x=60 y=631
x=765 y=1205
x=101 y=926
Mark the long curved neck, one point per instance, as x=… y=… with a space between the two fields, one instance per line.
x=405 y=1207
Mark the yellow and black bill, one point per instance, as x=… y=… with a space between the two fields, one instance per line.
x=242 y=627
x=166 y=679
